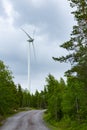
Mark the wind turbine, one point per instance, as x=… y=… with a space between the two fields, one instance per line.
x=30 y=41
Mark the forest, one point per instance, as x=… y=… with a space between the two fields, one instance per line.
x=66 y=102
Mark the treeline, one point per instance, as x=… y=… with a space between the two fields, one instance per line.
x=62 y=100
x=37 y=100
x=66 y=100
x=71 y=99
x=13 y=97
x=8 y=91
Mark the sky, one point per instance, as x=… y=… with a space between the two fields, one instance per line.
x=50 y=23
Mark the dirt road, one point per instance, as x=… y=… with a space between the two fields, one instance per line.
x=30 y=120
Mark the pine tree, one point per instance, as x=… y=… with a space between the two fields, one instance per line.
x=77 y=56
x=77 y=45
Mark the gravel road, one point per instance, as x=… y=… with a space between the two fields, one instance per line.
x=30 y=120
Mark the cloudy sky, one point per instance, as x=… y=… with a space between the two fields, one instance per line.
x=52 y=22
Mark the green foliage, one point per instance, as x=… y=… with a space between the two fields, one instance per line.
x=77 y=45
x=74 y=96
x=20 y=95
x=39 y=100
x=8 y=91
x=26 y=98
x=13 y=97
x=54 y=94
x=65 y=124
x=74 y=103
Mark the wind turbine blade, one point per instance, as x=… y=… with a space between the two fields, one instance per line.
x=34 y=50
x=26 y=33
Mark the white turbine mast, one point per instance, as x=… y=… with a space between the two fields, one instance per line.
x=30 y=41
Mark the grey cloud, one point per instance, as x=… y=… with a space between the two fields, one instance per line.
x=53 y=26
x=50 y=16
x=2 y=12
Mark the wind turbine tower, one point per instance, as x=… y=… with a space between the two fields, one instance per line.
x=30 y=41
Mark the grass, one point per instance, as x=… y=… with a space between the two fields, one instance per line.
x=50 y=123
x=64 y=124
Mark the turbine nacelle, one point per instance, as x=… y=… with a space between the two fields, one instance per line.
x=30 y=40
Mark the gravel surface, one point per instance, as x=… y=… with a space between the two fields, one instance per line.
x=30 y=120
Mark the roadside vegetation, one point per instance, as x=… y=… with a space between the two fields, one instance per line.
x=13 y=98
x=66 y=102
